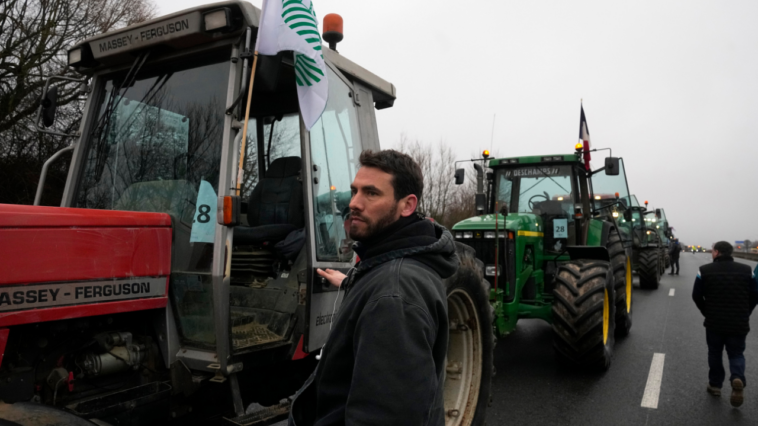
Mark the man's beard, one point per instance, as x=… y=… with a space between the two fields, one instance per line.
x=372 y=228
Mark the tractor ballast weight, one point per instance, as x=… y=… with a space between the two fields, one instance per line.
x=551 y=249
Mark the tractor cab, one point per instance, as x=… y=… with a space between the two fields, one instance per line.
x=163 y=133
x=546 y=194
x=251 y=215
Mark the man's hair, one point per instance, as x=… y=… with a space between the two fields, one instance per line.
x=724 y=248
x=406 y=174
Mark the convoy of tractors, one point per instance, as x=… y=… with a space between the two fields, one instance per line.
x=157 y=291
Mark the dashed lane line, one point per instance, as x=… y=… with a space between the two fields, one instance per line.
x=653 y=387
x=671 y=292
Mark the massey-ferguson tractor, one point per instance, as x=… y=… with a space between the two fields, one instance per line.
x=156 y=290
x=550 y=246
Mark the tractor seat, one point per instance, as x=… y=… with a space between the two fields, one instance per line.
x=275 y=207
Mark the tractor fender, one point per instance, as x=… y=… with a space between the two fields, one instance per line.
x=588 y=252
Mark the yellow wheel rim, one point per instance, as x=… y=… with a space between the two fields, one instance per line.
x=606 y=315
x=628 y=285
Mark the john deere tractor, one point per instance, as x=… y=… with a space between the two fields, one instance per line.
x=551 y=247
x=657 y=222
x=647 y=261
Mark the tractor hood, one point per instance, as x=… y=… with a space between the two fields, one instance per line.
x=512 y=222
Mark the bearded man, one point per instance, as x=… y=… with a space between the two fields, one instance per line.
x=384 y=361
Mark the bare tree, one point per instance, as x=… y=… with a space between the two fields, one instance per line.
x=34 y=38
x=444 y=201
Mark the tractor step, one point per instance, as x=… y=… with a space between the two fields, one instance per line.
x=264 y=416
x=128 y=406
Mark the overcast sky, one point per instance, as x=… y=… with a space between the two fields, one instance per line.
x=671 y=86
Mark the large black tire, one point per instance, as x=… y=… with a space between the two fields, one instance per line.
x=666 y=260
x=584 y=314
x=622 y=283
x=470 y=353
x=649 y=269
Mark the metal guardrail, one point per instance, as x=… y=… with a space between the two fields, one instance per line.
x=748 y=256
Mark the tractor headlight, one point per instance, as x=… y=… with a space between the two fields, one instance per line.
x=459 y=235
x=74 y=56
x=489 y=234
x=468 y=234
x=218 y=20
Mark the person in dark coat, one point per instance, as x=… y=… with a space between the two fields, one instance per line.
x=726 y=292
x=674 y=251
x=384 y=360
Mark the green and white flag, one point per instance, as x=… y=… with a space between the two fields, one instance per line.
x=292 y=25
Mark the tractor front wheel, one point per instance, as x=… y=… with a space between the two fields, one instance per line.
x=471 y=344
x=584 y=313
x=649 y=269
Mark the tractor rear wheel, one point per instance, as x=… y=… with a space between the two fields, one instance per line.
x=471 y=343
x=622 y=278
x=584 y=313
x=666 y=260
x=649 y=269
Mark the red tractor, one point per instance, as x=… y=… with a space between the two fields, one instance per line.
x=156 y=290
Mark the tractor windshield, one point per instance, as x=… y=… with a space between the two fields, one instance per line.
x=535 y=188
x=155 y=146
x=157 y=141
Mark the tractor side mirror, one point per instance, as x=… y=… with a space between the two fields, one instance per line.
x=628 y=215
x=460 y=175
x=658 y=213
x=49 y=104
x=612 y=166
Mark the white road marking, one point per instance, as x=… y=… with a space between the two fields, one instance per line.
x=671 y=292
x=653 y=387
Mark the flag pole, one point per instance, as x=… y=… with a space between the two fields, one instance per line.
x=247 y=118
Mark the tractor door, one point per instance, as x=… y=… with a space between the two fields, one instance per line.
x=604 y=202
x=331 y=150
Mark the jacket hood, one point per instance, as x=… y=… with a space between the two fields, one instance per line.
x=439 y=254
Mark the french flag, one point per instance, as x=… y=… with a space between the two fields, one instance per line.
x=584 y=137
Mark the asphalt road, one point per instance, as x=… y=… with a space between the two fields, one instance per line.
x=530 y=387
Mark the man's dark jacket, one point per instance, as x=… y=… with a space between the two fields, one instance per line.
x=384 y=361
x=726 y=293
x=675 y=250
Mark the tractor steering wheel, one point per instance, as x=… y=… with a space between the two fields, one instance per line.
x=543 y=195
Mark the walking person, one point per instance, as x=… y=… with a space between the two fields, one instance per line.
x=384 y=361
x=726 y=293
x=674 y=251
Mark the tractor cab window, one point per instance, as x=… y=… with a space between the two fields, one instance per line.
x=335 y=148
x=604 y=189
x=536 y=189
x=280 y=138
x=546 y=191
x=155 y=146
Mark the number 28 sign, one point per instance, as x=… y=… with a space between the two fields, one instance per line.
x=560 y=228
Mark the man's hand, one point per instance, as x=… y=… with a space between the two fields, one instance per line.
x=335 y=278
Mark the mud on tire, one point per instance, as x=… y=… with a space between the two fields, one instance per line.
x=584 y=314
x=468 y=380
x=649 y=269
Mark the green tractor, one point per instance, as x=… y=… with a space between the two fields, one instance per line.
x=647 y=257
x=550 y=247
x=657 y=222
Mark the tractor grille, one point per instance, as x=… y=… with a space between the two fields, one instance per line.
x=485 y=251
